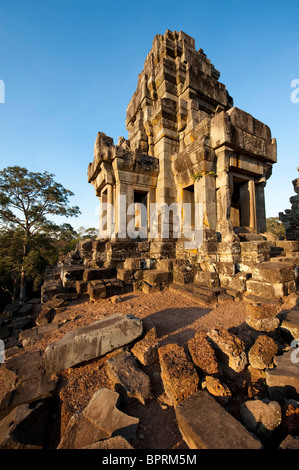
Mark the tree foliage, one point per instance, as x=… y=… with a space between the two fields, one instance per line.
x=27 y=235
x=275 y=226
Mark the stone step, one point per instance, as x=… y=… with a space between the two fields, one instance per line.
x=250 y=236
x=205 y=424
x=94 y=274
x=105 y=288
x=192 y=291
x=157 y=276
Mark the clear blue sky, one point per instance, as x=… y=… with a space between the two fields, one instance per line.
x=70 y=68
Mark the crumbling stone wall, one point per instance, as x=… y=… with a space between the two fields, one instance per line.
x=290 y=217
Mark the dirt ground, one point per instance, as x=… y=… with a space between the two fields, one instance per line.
x=176 y=320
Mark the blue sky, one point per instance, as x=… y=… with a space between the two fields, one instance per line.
x=70 y=68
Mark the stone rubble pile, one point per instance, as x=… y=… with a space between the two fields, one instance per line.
x=229 y=389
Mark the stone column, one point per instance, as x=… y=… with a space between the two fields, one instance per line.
x=224 y=187
x=252 y=205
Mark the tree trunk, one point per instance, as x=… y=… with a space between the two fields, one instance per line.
x=23 y=276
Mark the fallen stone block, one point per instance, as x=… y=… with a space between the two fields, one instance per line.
x=262 y=317
x=290 y=442
x=261 y=417
x=205 y=424
x=116 y=442
x=218 y=389
x=92 y=341
x=262 y=353
x=128 y=380
x=25 y=381
x=283 y=380
x=25 y=427
x=178 y=373
x=203 y=354
x=30 y=336
x=291 y=322
x=146 y=351
x=49 y=289
x=49 y=310
x=101 y=419
x=230 y=348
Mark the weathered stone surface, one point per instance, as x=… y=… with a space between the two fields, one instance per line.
x=219 y=389
x=96 y=290
x=290 y=442
x=48 y=311
x=178 y=374
x=291 y=322
x=261 y=310
x=261 y=416
x=33 y=334
x=99 y=420
x=92 y=341
x=263 y=324
x=262 y=317
x=232 y=349
x=262 y=353
x=205 y=424
x=128 y=380
x=155 y=276
x=273 y=272
x=203 y=355
x=49 y=289
x=25 y=427
x=283 y=380
x=117 y=442
x=26 y=381
x=146 y=351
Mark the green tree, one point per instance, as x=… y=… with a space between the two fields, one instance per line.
x=26 y=200
x=275 y=226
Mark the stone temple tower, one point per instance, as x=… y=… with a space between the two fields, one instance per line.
x=187 y=143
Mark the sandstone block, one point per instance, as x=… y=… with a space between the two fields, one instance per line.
x=207 y=278
x=261 y=416
x=205 y=424
x=262 y=353
x=96 y=290
x=231 y=348
x=25 y=427
x=99 y=420
x=291 y=322
x=81 y=287
x=117 y=442
x=89 y=342
x=25 y=381
x=125 y=274
x=218 y=389
x=203 y=354
x=155 y=276
x=129 y=381
x=178 y=374
x=132 y=263
x=283 y=380
x=146 y=351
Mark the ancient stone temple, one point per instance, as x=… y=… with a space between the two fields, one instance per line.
x=290 y=217
x=187 y=143
x=192 y=160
